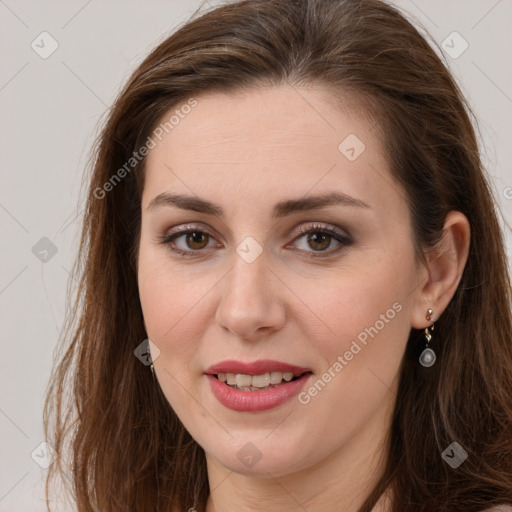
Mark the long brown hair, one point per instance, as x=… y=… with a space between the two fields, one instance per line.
x=128 y=450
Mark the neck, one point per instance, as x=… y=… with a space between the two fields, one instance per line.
x=338 y=483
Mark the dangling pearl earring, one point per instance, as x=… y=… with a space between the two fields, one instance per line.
x=428 y=356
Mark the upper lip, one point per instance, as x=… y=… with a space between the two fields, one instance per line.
x=255 y=367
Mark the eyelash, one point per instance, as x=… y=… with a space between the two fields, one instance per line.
x=344 y=240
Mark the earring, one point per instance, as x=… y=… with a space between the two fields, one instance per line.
x=428 y=356
x=152 y=370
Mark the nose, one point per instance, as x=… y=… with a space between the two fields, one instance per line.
x=251 y=305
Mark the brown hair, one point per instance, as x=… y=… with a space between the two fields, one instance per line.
x=129 y=451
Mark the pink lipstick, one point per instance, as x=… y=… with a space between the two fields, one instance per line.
x=255 y=386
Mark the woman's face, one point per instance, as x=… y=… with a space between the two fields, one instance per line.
x=295 y=249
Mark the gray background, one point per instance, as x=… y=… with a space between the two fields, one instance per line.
x=50 y=112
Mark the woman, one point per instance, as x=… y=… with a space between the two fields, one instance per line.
x=294 y=292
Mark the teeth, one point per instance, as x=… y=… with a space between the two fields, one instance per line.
x=260 y=381
x=245 y=382
x=276 y=377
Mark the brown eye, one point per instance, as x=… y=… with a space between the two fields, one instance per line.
x=196 y=239
x=188 y=242
x=319 y=241
x=314 y=241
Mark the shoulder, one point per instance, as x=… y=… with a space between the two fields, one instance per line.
x=499 y=508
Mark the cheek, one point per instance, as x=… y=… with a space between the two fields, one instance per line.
x=170 y=305
x=364 y=314
x=369 y=317
x=169 y=302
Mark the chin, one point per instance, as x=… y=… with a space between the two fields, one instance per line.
x=261 y=457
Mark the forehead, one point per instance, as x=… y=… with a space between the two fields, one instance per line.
x=268 y=142
x=265 y=117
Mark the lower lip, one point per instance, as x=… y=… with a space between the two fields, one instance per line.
x=255 y=401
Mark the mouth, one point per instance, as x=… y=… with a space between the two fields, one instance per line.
x=256 y=386
x=261 y=382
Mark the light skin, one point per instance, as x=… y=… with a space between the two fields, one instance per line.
x=245 y=153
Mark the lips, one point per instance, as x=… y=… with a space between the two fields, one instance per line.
x=248 y=399
x=255 y=368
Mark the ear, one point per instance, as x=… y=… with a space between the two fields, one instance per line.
x=438 y=282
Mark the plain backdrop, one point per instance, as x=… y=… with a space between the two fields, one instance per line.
x=50 y=113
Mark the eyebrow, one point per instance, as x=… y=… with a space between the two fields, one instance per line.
x=281 y=209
